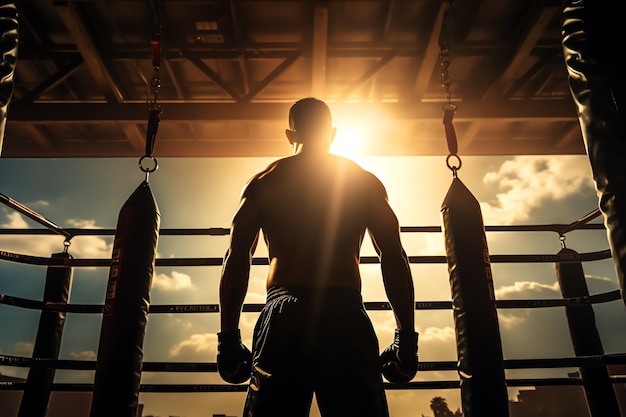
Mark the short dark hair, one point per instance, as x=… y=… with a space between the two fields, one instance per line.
x=309 y=112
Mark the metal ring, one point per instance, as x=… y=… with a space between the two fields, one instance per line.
x=148 y=170
x=451 y=167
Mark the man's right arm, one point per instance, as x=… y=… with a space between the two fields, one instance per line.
x=399 y=360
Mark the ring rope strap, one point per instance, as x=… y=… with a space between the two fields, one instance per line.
x=541 y=363
x=365 y=260
x=223 y=231
x=255 y=308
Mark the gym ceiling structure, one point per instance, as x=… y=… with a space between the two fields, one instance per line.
x=229 y=71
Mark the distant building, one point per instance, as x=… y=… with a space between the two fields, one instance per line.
x=567 y=401
x=550 y=401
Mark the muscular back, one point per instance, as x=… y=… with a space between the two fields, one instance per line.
x=314 y=211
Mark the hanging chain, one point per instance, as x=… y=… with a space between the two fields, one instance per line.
x=154 y=108
x=448 y=108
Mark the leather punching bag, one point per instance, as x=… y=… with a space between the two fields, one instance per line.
x=9 y=31
x=479 y=348
x=125 y=315
x=591 y=32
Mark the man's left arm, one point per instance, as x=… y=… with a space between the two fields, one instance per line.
x=244 y=235
x=234 y=359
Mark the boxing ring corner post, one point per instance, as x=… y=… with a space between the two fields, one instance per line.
x=599 y=392
x=38 y=387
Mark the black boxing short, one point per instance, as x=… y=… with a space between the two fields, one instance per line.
x=320 y=341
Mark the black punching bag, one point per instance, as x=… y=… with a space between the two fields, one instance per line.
x=585 y=337
x=125 y=315
x=592 y=31
x=479 y=348
x=9 y=31
x=38 y=387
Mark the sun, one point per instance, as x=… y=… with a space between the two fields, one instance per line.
x=358 y=129
x=349 y=141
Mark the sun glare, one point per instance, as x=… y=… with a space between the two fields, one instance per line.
x=358 y=130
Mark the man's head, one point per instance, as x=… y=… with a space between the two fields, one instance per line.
x=310 y=123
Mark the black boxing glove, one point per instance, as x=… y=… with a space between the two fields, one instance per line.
x=234 y=359
x=399 y=360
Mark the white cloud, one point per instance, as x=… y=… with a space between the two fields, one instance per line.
x=83 y=223
x=15 y=221
x=523 y=290
x=509 y=320
x=527 y=182
x=176 y=282
x=39 y=203
x=44 y=245
x=432 y=334
x=527 y=289
x=23 y=349
x=85 y=355
x=202 y=347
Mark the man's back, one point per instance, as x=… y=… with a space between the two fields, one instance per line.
x=314 y=212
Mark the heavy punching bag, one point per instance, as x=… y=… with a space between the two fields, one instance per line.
x=38 y=386
x=125 y=315
x=479 y=348
x=592 y=30
x=585 y=337
x=9 y=31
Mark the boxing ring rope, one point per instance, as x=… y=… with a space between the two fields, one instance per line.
x=203 y=367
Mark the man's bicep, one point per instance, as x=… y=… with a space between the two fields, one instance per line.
x=245 y=226
x=383 y=227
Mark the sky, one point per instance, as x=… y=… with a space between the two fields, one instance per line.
x=204 y=192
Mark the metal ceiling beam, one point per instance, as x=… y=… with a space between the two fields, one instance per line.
x=509 y=75
x=88 y=50
x=55 y=112
x=320 y=49
x=214 y=76
x=371 y=72
x=430 y=58
x=135 y=135
x=271 y=76
x=53 y=81
x=240 y=38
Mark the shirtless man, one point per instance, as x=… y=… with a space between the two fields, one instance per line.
x=314 y=335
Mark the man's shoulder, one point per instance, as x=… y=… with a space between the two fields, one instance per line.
x=262 y=176
x=367 y=178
